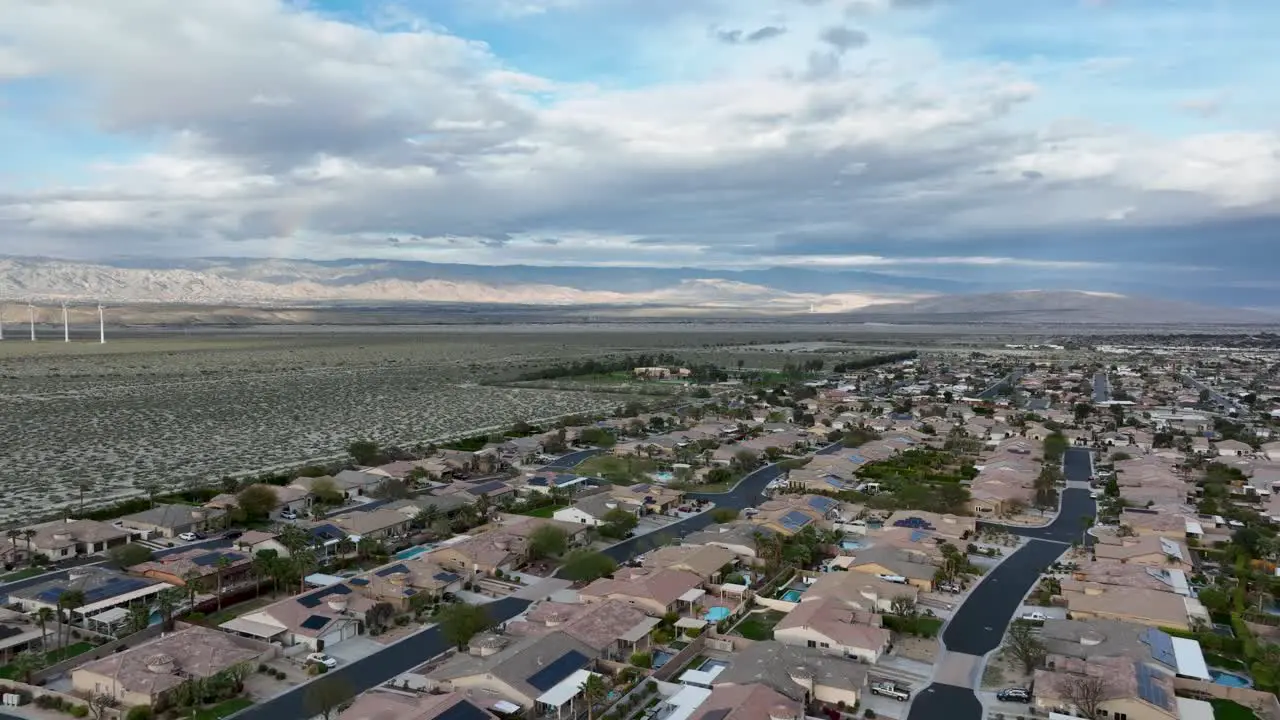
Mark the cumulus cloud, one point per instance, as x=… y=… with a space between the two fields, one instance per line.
x=264 y=128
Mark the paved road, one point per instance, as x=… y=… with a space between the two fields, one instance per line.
x=1101 y=387
x=978 y=626
x=61 y=574
x=994 y=390
x=571 y=460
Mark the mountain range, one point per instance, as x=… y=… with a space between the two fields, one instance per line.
x=263 y=288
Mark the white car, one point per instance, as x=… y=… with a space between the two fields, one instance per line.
x=1035 y=616
x=322 y=659
x=289 y=514
x=189 y=537
x=894 y=579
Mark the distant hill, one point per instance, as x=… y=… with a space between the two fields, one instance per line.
x=1068 y=306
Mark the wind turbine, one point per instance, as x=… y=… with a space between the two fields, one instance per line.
x=31 y=311
x=66 y=329
x=102 y=328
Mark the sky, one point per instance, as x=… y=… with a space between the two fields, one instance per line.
x=1114 y=145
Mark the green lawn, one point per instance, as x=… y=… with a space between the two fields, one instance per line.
x=758 y=626
x=617 y=470
x=544 y=512
x=23 y=573
x=226 y=708
x=231 y=612
x=53 y=656
x=1230 y=710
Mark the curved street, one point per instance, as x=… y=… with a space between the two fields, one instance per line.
x=978 y=626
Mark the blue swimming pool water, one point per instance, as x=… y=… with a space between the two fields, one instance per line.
x=1222 y=677
x=710 y=665
x=716 y=614
x=850 y=544
x=660 y=658
x=791 y=596
x=410 y=553
x=663 y=476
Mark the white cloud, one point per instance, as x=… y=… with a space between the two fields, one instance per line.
x=275 y=127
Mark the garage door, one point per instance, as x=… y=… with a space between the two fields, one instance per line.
x=346 y=632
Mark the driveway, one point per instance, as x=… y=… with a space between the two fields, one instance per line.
x=353 y=649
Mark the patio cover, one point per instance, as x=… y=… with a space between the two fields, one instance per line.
x=641 y=629
x=108 y=617
x=688 y=622
x=733 y=588
x=693 y=595
x=565 y=690
x=251 y=627
x=122 y=599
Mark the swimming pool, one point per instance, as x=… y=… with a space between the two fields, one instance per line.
x=660 y=658
x=412 y=552
x=1222 y=677
x=791 y=596
x=663 y=476
x=710 y=665
x=850 y=545
x=716 y=614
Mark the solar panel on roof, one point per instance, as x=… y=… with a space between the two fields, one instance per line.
x=1149 y=688
x=1161 y=645
x=488 y=487
x=559 y=669
x=463 y=710
x=314 y=622
x=211 y=559
x=359 y=581
x=823 y=504
x=445 y=577
x=397 y=568
x=793 y=520
x=317 y=597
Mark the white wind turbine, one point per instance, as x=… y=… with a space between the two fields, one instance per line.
x=102 y=327
x=31 y=311
x=66 y=328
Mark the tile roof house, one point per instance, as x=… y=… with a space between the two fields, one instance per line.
x=385 y=705
x=504 y=547
x=737 y=537
x=377 y=523
x=789 y=514
x=202 y=565
x=802 y=674
x=103 y=589
x=173 y=520
x=1129 y=688
x=612 y=628
x=748 y=702
x=1149 y=550
x=71 y=538
x=889 y=560
x=519 y=670
x=144 y=674
x=657 y=592
x=830 y=624
x=705 y=561
x=318 y=618
x=863 y=591
x=1087 y=600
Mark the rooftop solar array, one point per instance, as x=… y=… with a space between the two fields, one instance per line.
x=210 y=559
x=392 y=570
x=314 y=622
x=823 y=504
x=640 y=488
x=553 y=672
x=1161 y=645
x=314 y=599
x=793 y=520
x=463 y=710
x=328 y=532
x=111 y=587
x=445 y=577
x=1149 y=688
x=914 y=523
x=359 y=581
x=486 y=488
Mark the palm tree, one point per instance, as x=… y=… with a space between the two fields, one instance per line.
x=43 y=616
x=427 y=516
x=483 y=505
x=167 y=602
x=27 y=535
x=593 y=690
x=70 y=601
x=191 y=579
x=294 y=538
x=26 y=663
x=83 y=485
x=139 y=617
x=263 y=567
x=13 y=536
x=304 y=563
x=221 y=564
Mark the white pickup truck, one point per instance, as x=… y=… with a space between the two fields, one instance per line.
x=1035 y=616
x=889 y=690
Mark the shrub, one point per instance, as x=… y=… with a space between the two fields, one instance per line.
x=642 y=659
x=80 y=711
x=141 y=712
x=262 y=667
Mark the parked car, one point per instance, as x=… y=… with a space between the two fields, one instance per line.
x=1035 y=616
x=894 y=579
x=189 y=536
x=322 y=659
x=233 y=534
x=1021 y=695
x=289 y=514
x=890 y=690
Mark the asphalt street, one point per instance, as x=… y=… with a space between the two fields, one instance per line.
x=978 y=626
x=61 y=574
x=571 y=460
x=1101 y=388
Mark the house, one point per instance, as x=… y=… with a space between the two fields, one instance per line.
x=102 y=587
x=645 y=498
x=747 y=702
x=1149 y=550
x=952 y=528
x=521 y=448
x=201 y=566
x=317 y=619
x=399 y=583
x=706 y=561
x=1233 y=448
x=255 y=541
x=591 y=510
x=859 y=590
x=145 y=674
x=831 y=625
x=998 y=487
x=1163 y=579
x=1088 y=600
x=296 y=496
x=494 y=491
x=389 y=705
x=613 y=629
x=737 y=537
x=358 y=483
x=518 y=670
x=502 y=548
x=789 y=514
x=443 y=506
x=173 y=520
x=1125 y=688
x=1271 y=451
x=378 y=523
x=62 y=539
x=894 y=562
x=657 y=592
x=803 y=674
